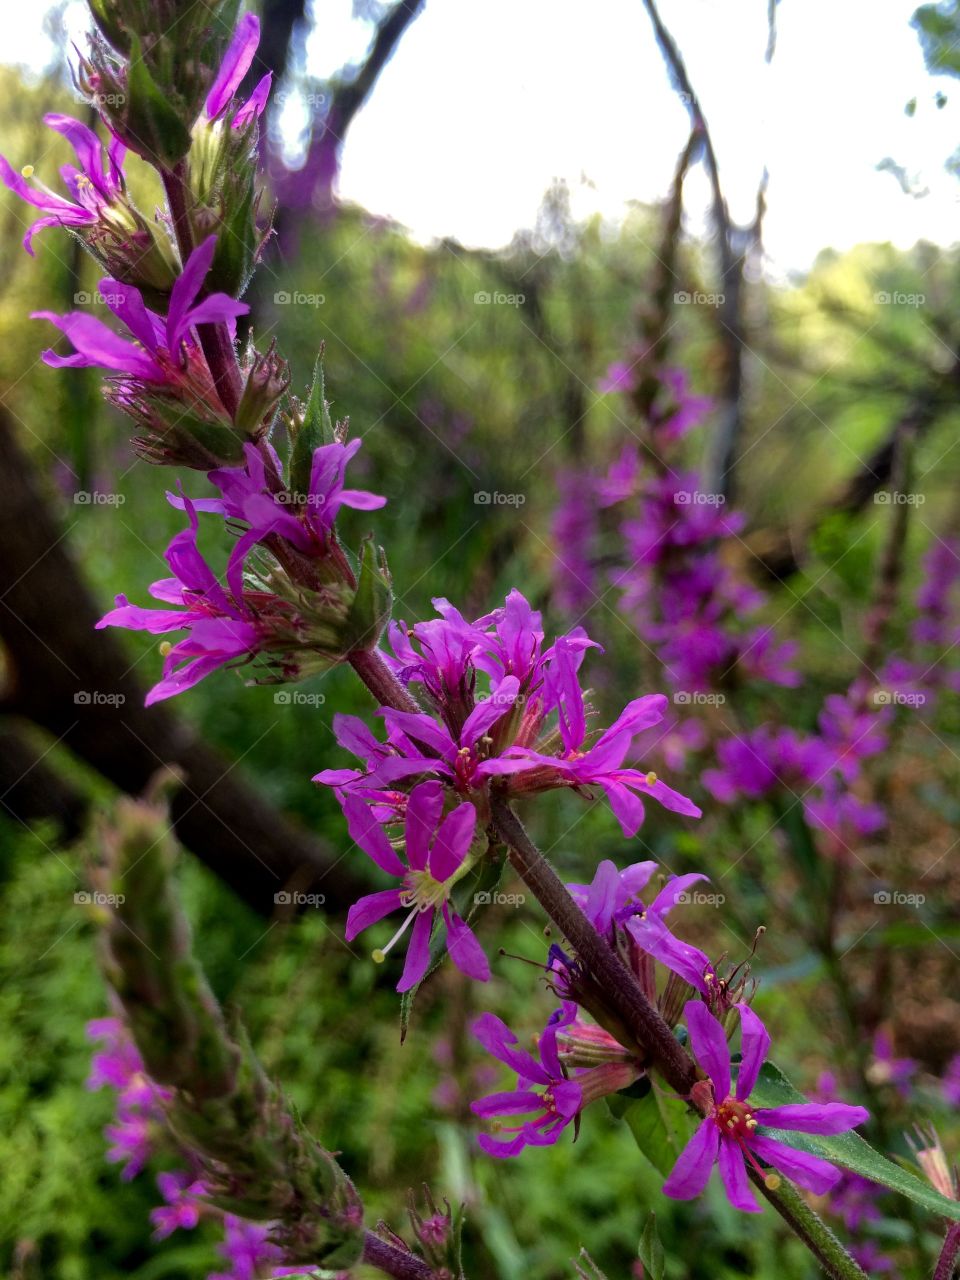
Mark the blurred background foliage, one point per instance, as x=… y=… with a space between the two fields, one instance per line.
x=454 y=396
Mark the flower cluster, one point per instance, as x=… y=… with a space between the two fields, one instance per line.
x=139 y=1105
x=506 y=712
x=579 y=1061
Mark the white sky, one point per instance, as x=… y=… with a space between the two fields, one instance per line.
x=488 y=100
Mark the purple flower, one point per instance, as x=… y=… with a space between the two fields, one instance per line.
x=236 y=63
x=156 y=354
x=181 y=1207
x=139 y=1106
x=222 y=627
x=247 y=496
x=731 y=1133
x=96 y=187
x=438 y=856
x=620 y=376
x=249 y=1252
x=542 y=1086
x=886 y=1068
x=602 y=763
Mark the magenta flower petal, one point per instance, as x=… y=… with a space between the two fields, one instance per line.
x=424 y=807
x=368 y=834
x=674 y=890
x=465 y=951
x=692 y=1171
x=418 y=952
x=809 y=1171
x=514 y=1102
x=95 y=344
x=235 y=64
x=255 y=104
x=498 y=1040
x=369 y=909
x=627 y=807
x=733 y=1171
x=709 y=1046
x=483 y=717
x=813 y=1117
x=754 y=1044
x=452 y=841
x=186 y=287
x=361 y=500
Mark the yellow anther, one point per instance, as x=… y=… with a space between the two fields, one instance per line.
x=27 y=171
x=165 y=647
x=378 y=956
x=772 y=1182
x=651 y=778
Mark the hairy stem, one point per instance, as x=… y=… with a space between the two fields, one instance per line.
x=392 y=1261
x=380 y=680
x=947 y=1262
x=644 y=1021
x=215 y=341
x=811 y=1229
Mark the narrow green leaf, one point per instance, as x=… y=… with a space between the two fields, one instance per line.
x=315 y=430
x=651 y=1250
x=849 y=1150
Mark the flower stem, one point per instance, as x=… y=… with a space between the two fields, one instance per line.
x=650 y=1029
x=947 y=1262
x=393 y=1261
x=812 y=1230
x=380 y=680
x=215 y=341
x=644 y=1021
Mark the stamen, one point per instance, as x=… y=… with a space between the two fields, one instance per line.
x=27 y=171
x=165 y=646
x=650 y=778
x=379 y=954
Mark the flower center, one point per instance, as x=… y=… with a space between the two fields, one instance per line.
x=423 y=892
x=735 y=1119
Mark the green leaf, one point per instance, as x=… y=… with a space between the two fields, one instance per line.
x=849 y=1150
x=151 y=118
x=660 y=1127
x=315 y=430
x=651 y=1250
